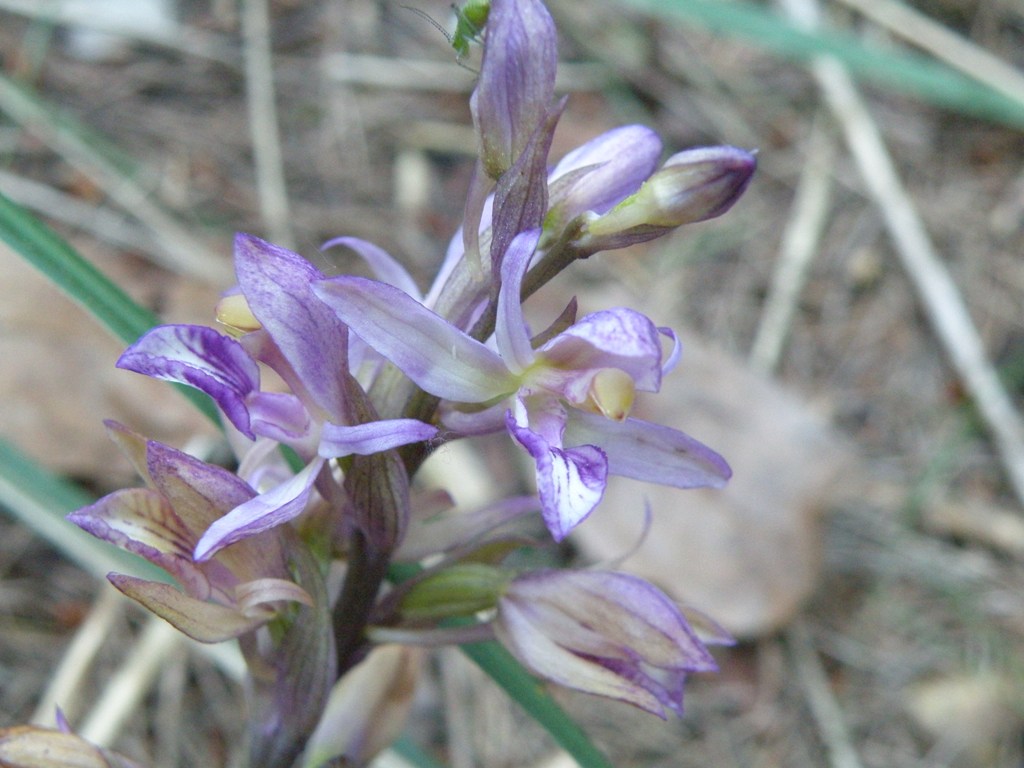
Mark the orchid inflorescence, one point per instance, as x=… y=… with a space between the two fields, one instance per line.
x=316 y=549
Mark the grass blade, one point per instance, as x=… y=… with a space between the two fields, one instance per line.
x=906 y=72
x=500 y=665
x=39 y=500
x=83 y=283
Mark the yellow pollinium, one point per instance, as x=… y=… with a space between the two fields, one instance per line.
x=612 y=393
x=234 y=314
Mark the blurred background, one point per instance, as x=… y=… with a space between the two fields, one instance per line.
x=853 y=344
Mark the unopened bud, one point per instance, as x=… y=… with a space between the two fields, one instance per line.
x=692 y=186
x=460 y=590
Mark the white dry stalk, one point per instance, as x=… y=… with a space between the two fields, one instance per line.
x=266 y=136
x=104 y=224
x=132 y=682
x=824 y=708
x=960 y=53
x=936 y=288
x=175 y=247
x=78 y=658
x=800 y=242
x=169 y=34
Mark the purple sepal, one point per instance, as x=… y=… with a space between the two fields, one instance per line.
x=203 y=358
x=649 y=452
x=385 y=267
x=364 y=439
x=260 y=513
x=614 y=338
x=277 y=284
x=426 y=347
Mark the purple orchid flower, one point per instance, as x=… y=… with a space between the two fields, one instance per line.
x=306 y=344
x=604 y=633
x=230 y=595
x=578 y=384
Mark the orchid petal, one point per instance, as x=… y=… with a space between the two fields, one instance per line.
x=610 y=634
x=675 y=355
x=386 y=267
x=132 y=445
x=278 y=286
x=518 y=632
x=615 y=338
x=201 y=494
x=260 y=513
x=365 y=439
x=202 y=358
x=643 y=611
x=200 y=620
x=570 y=483
x=198 y=492
x=510 y=327
x=280 y=416
x=141 y=521
x=482 y=422
x=436 y=355
x=649 y=452
x=617 y=162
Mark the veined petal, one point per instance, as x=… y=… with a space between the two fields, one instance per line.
x=570 y=483
x=277 y=283
x=510 y=327
x=132 y=445
x=436 y=355
x=201 y=494
x=626 y=611
x=615 y=338
x=633 y=641
x=545 y=657
x=260 y=513
x=280 y=416
x=649 y=452
x=198 y=492
x=200 y=620
x=618 y=162
x=364 y=439
x=202 y=358
x=386 y=267
x=139 y=520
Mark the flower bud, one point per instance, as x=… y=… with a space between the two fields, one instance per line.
x=692 y=186
x=517 y=81
x=460 y=590
x=27 y=746
x=604 y=633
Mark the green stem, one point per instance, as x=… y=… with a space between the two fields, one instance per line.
x=366 y=571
